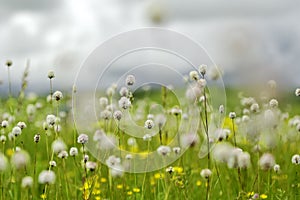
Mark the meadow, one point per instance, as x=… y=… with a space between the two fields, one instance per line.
x=248 y=149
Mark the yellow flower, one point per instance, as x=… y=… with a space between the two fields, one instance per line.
x=136 y=190
x=263 y=196
x=179 y=170
x=159 y=175
x=120 y=186
x=85 y=186
x=96 y=192
x=43 y=196
x=152 y=182
x=129 y=193
x=228 y=124
x=250 y=194
x=97 y=198
x=103 y=180
x=9 y=152
x=198 y=183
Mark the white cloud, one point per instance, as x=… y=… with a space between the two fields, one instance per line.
x=60 y=34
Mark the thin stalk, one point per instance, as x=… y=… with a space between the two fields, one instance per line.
x=233 y=129
x=207 y=188
x=9 y=83
x=146 y=168
x=34 y=165
x=206 y=130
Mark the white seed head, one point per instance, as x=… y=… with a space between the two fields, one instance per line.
x=273 y=103
x=112 y=161
x=4 y=124
x=98 y=135
x=73 y=151
x=147 y=137
x=176 y=111
x=296 y=159
x=150 y=116
x=266 y=161
x=3 y=138
x=170 y=170
x=164 y=150
x=221 y=109
x=202 y=69
x=27 y=182
x=85 y=158
x=149 y=124
x=128 y=156
x=58 y=145
x=63 y=154
x=9 y=63
x=16 y=131
x=189 y=139
x=50 y=119
x=36 y=138
x=51 y=74
x=106 y=114
x=254 y=108
x=22 y=125
x=47 y=177
x=297 y=92
x=91 y=165
x=103 y=102
x=130 y=80
x=52 y=163
x=244 y=160
x=57 y=95
x=205 y=173
x=82 y=138
x=20 y=159
x=124 y=103
x=276 y=168
x=201 y=83
x=232 y=115
x=194 y=76
x=31 y=109
x=124 y=92
x=117 y=171
x=110 y=91
x=245 y=118
x=10 y=136
x=176 y=150
x=160 y=120
x=131 y=141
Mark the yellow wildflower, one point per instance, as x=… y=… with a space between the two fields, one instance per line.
x=179 y=170
x=103 y=180
x=198 y=183
x=119 y=186
x=159 y=175
x=43 y=196
x=263 y=196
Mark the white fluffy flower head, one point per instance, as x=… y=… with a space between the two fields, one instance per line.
x=47 y=177
x=82 y=138
x=130 y=80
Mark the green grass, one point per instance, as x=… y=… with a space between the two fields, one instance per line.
x=74 y=181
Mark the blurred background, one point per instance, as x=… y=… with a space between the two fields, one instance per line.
x=252 y=41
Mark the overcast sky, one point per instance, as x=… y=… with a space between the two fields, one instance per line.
x=250 y=40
